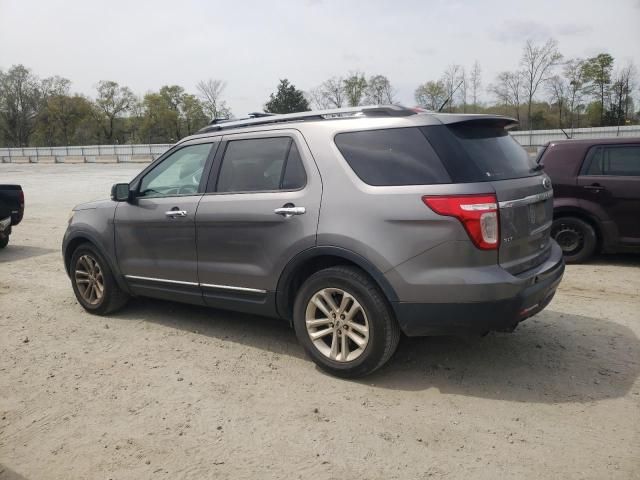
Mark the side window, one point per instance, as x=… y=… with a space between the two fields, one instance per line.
x=293 y=176
x=261 y=164
x=621 y=161
x=399 y=156
x=178 y=174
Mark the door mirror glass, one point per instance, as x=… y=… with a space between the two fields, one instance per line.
x=120 y=192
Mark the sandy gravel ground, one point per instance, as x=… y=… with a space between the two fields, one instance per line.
x=162 y=390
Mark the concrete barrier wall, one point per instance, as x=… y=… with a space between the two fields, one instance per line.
x=531 y=140
x=84 y=154
x=538 y=138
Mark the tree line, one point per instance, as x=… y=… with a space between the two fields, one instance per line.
x=545 y=90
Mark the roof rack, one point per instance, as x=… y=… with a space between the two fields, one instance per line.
x=262 y=119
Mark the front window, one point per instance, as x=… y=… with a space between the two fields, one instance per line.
x=178 y=174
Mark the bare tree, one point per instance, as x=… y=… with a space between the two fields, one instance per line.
x=574 y=73
x=558 y=88
x=379 y=91
x=537 y=63
x=317 y=98
x=622 y=88
x=451 y=80
x=333 y=90
x=211 y=97
x=464 y=86
x=508 y=90
x=475 y=80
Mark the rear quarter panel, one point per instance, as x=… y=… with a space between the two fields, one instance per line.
x=387 y=225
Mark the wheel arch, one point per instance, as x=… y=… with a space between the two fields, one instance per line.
x=306 y=263
x=78 y=238
x=584 y=215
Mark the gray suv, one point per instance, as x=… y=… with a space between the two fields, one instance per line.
x=353 y=224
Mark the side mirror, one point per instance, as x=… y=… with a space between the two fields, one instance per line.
x=120 y=192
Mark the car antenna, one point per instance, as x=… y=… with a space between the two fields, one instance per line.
x=565 y=134
x=450 y=96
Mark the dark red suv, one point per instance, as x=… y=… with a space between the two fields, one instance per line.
x=596 y=187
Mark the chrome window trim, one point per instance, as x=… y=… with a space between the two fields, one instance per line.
x=526 y=200
x=194 y=284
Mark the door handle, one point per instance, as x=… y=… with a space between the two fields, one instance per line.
x=289 y=211
x=176 y=213
x=595 y=187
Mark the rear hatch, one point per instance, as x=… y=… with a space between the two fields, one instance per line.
x=481 y=150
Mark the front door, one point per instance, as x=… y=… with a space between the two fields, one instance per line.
x=261 y=209
x=155 y=233
x=610 y=177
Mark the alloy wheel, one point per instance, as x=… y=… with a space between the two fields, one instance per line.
x=89 y=280
x=337 y=324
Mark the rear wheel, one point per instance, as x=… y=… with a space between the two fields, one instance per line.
x=4 y=241
x=93 y=282
x=344 y=322
x=576 y=238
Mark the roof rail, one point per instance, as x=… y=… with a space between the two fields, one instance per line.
x=369 y=111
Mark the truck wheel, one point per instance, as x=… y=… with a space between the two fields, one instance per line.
x=4 y=241
x=344 y=322
x=576 y=238
x=93 y=282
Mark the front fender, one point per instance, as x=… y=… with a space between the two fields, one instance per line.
x=85 y=227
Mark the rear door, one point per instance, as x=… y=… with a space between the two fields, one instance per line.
x=261 y=209
x=610 y=177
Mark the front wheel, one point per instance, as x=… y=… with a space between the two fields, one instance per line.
x=93 y=282
x=344 y=322
x=576 y=238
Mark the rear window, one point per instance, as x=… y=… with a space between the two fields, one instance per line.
x=475 y=152
x=396 y=156
x=459 y=153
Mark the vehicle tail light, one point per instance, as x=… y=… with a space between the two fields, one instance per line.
x=477 y=213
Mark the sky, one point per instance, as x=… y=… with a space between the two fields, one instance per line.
x=252 y=44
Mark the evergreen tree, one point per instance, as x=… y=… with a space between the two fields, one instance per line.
x=287 y=99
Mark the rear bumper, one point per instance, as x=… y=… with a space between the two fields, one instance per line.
x=533 y=290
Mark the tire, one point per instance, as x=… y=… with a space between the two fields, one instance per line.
x=372 y=321
x=576 y=237
x=4 y=241
x=113 y=297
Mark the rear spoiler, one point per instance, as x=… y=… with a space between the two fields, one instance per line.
x=489 y=120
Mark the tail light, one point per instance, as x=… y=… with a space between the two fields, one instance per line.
x=477 y=213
